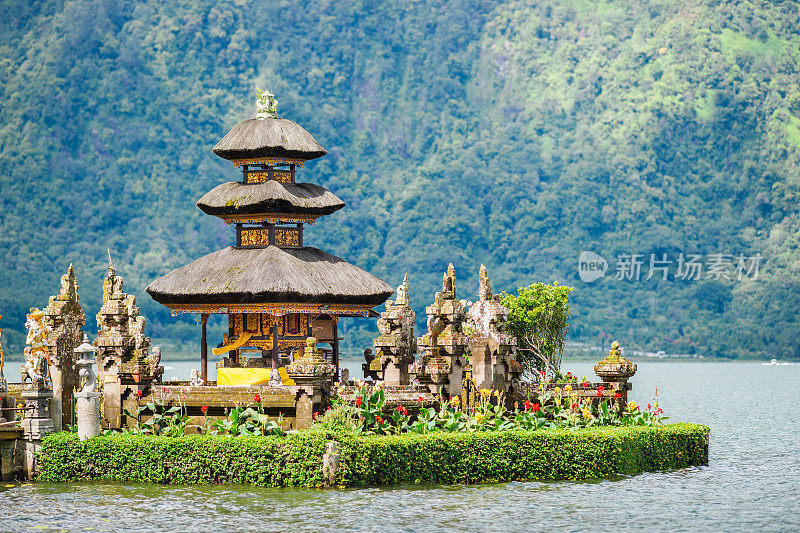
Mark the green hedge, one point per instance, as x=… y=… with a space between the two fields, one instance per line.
x=521 y=455
x=296 y=460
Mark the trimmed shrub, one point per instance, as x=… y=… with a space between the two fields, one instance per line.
x=296 y=460
x=520 y=455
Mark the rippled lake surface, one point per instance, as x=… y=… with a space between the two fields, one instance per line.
x=751 y=483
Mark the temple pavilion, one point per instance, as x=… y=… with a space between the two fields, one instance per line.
x=275 y=290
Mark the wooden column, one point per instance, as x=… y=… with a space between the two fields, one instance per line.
x=335 y=352
x=203 y=349
x=275 y=343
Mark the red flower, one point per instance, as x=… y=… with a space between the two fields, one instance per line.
x=617 y=396
x=535 y=407
x=138 y=394
x=600 y=390
x=316 y=415
x=402 y=410
x=378 y=419
x=527 y=405
x=328 y=408
x=660 y=410
x=543 y=374
x=420 y=399
x=204 y=409
x=648 y=407
x=257 y=398
x=359 y=401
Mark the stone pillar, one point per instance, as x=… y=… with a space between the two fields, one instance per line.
x=87 y=401
x=35 y=426
x=87 y=406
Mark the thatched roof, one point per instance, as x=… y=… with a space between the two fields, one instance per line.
x=268 y=137
x=269 y=197
x=267 y=275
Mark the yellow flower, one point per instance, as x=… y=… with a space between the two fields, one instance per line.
x=478 y=417
x=587 y=414
x=557 y=391
x=455 y=400
x=574 y=395
x=497 y=394
x=632 y=406
x=485 y=393
x=567 y=388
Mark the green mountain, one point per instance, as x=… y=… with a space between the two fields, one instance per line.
x=516 y=134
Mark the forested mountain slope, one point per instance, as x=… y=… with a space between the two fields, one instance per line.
x=515 y=134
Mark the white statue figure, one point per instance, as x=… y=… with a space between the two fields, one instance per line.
x=194 y=378
x=37 y=355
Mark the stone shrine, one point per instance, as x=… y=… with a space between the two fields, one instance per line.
x=65 y=318
x=125 y=363
x=492 y=350
x=443 y=347
x=396 y=346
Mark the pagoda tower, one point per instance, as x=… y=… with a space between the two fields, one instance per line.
x=276 y=291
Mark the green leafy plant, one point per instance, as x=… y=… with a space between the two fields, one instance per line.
x=539 y=318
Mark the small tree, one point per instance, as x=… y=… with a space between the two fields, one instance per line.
x=539 y=317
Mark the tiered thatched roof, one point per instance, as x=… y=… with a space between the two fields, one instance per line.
x=236 y=198
x=268 y=137
x=260 y=275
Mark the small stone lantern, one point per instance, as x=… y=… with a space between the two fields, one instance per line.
x=87 y=399
x=616 y=370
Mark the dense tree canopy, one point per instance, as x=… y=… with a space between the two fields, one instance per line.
x=514 y=134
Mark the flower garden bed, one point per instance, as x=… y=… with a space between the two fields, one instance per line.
x=304 y=458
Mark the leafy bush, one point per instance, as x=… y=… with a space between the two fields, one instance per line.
x=539 y=317
x=296 y=460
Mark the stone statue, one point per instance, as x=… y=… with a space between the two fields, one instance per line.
x=37 y=351
x=267 y=105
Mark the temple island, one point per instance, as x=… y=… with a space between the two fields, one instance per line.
x=280 y=356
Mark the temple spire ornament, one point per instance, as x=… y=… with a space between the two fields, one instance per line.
x=267 y=104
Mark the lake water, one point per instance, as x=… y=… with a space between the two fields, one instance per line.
x=751 y=483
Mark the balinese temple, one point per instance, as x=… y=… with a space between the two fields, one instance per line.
x=275 y=290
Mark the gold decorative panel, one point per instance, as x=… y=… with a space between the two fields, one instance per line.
x=253 y=323
x=261 y=176
x=287 y=237
x=257 y=177
x=254 y=237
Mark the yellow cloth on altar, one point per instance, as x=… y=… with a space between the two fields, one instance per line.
x=242 y=377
